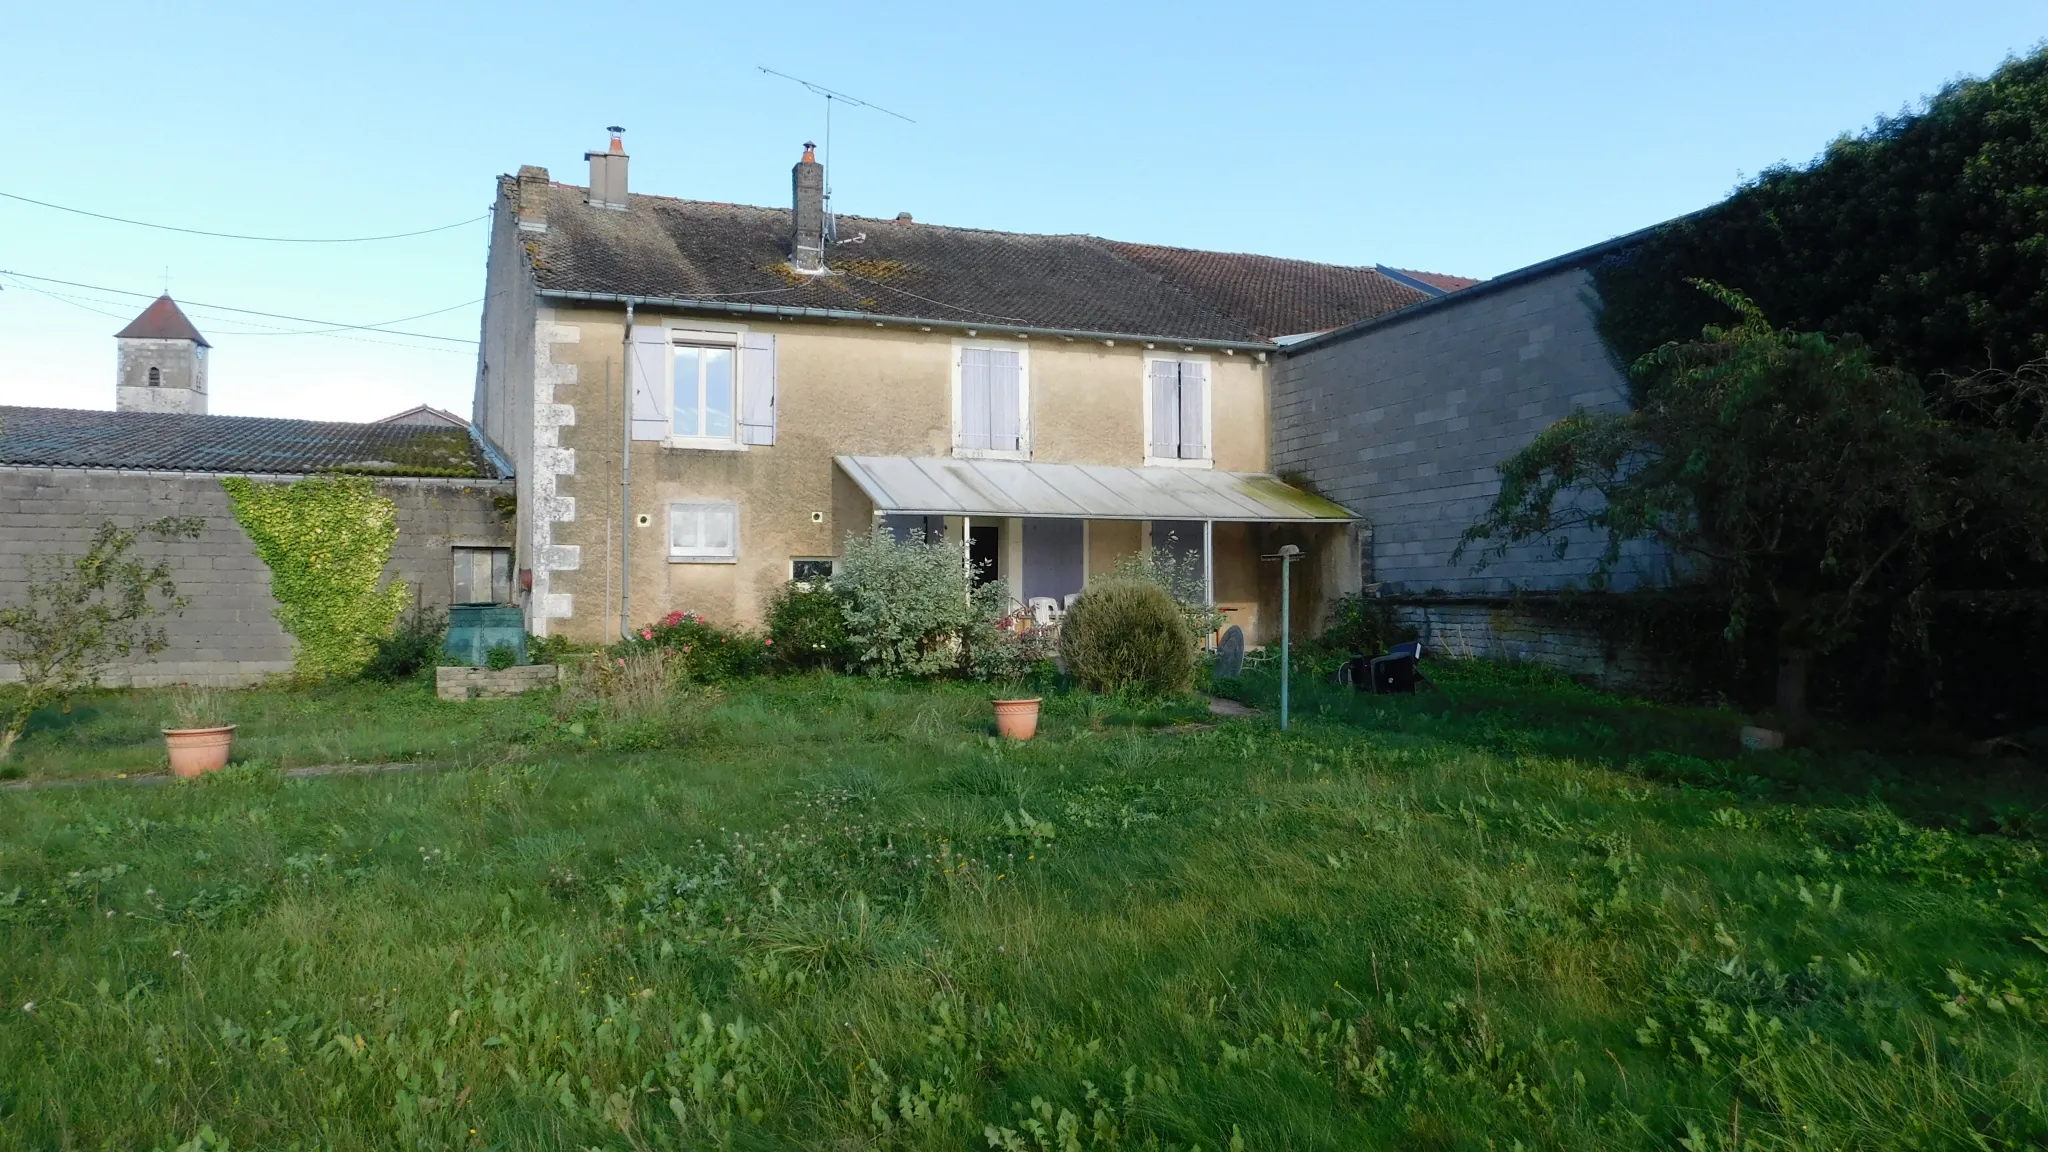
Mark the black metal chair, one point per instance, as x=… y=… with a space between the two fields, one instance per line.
x=1395 y=672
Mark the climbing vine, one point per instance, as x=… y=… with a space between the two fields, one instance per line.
x=325 y=540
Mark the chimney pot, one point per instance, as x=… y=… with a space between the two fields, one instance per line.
x=532 y=198
x=608 y=173
x=807 y=217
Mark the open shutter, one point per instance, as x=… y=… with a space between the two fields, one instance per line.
x=1005 y=401
x=1165 y=433
x=1194 y=410
x=974 y=397
x=757 y=385
x=651 y=385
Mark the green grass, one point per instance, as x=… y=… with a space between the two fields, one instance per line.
x=108 y=733
x=836 y=914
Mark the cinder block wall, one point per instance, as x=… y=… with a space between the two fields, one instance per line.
x=1404 y=422
x=1493 y=632
x=228 y=633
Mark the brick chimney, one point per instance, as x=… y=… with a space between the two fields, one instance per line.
x=608 y=173
x=533 y=198
x=807 y=239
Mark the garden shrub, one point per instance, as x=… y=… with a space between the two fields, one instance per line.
x=414 y=644
x=1182 y=578
x=910 y=610
x=501 y=657
x=698 y=650
x=807 y=626
x=1128 y=635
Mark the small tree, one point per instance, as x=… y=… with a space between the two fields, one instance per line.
x=1790 y=469
x=83 y=612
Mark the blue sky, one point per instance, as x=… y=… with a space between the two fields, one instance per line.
x=1466 y=138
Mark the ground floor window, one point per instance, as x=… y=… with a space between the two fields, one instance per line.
x=481 y=576
x=703 y=533
x=811 y=569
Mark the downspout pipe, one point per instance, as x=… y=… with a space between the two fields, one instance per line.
x=626 y=484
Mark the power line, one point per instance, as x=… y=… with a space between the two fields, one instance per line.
x=245 y=236
x=332 y=325
x=86 y=303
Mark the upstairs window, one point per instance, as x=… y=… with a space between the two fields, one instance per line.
x=704 y=391
x=156 y=376
x=991 y=402
x=1177 y=410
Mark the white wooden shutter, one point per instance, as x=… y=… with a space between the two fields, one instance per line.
x=1005 y=401
x=652 y=388
x=974 y=397
x=757 y=389
x=1194 y=410
x=1165 y=383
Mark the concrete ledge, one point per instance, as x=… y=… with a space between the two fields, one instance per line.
x=458 y=683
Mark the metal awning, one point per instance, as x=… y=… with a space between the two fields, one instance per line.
x=940 y=486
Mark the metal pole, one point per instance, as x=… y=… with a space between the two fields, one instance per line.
x=626 y=484
x=1286 y=562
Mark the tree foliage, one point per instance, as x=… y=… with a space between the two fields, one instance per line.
x=83 y=612
x=1926 y=235
x=325 y=540
x=1807 y=481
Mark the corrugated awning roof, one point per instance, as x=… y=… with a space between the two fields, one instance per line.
x=938 y=486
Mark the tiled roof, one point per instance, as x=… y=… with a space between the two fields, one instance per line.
x=1439 y=280
x=75 y=438
x=695 y=250
x=162 y=320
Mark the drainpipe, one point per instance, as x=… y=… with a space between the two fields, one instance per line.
x=626 y=486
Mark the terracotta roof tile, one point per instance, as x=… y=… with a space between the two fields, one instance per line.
x=162 y=320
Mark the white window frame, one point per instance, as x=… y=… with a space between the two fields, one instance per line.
x=731 y=337
x=701 y=555
x=1023 y=351
x=1208 y=410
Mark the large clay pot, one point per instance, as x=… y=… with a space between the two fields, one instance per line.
x=1017 y=719
x=196 y=751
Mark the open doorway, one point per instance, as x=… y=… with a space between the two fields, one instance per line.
x=984 y=553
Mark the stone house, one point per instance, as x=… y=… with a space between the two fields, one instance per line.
x=64 y=471
x=701 y=401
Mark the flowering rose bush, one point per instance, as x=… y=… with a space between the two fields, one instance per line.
x=698 y=650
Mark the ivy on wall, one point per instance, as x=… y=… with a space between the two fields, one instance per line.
x=326 y=540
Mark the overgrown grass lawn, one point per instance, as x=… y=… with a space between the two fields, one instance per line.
x=833 y=914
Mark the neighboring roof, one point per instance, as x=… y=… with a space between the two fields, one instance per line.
x=1433 y=283
x=737 y=257
x=1574 y=259
x=162 y=320
x=425 y=414
x=940 y=486
x=75 y=438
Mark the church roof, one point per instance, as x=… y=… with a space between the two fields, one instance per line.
x=162 y=320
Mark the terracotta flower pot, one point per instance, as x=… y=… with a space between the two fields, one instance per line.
x=196 y=751
x=1017 y=719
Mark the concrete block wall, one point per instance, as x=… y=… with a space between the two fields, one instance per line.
x=1405 y=421
x=1499 y=632
x=228 y=633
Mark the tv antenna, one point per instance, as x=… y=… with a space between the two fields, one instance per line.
x=830 y=95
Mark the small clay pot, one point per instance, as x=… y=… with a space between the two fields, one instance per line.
x=1017 y=719
x=197 y=751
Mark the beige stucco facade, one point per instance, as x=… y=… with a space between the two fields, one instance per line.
x=841 y=389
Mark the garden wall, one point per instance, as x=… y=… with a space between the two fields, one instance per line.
x=1494 y=628
x=227 y=633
